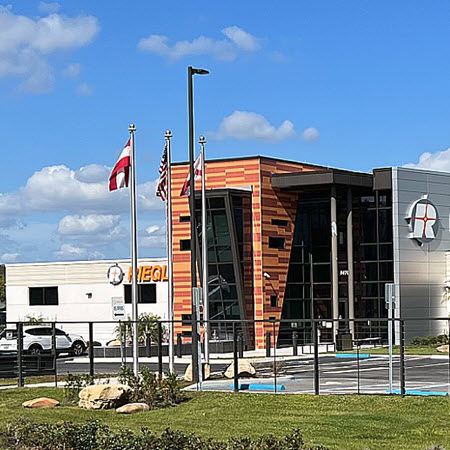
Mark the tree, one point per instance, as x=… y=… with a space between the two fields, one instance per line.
x=147 y=326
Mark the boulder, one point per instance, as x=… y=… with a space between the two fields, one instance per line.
x=245 y=369
x=41 y=402
x=104 y=396
x=206 y=372
x=131 y=408
x=443 y=348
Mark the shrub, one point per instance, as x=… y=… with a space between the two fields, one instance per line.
x=73 y=385
x=92 y=435
x=149 y=388
x=430 y=341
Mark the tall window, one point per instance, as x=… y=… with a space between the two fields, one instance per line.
x=43 y=295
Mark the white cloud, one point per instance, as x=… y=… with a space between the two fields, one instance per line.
x=311 y=134
x=433 y=161
x=9 y=257
x=84 y=191
x=90 y=224
x=154 y=236
x=26 y=44
x=84 y=89
x=49 y=8
x=72 y=70
x=241 y=38
x=69 y=252
x=238 y=41
x=244 y=125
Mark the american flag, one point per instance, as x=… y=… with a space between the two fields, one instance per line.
x=161 y=190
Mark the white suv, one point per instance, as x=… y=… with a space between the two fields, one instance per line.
x=38 y=339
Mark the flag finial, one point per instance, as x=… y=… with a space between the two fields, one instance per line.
x=132 y=127
x=202 y=140
x=168 y=134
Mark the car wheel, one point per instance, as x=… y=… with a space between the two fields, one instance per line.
x=35 y=350
x=78 y=348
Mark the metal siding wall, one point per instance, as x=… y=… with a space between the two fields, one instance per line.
x=420 y=271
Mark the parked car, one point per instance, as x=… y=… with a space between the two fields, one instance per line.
x=38 y=339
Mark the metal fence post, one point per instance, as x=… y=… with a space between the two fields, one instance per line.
x=91 y=349
x=448 y=342
x=240 y=345
x=55 y=353
x=179 y=346
x=235 y=360
x=316 y=358
x=160 y=362
x=294 y=343
x=268 y=344
x=19 y=327
x=274 y=358
x=402 y=358
x=357 y=363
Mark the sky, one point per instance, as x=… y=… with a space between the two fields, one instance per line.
x=350 y=84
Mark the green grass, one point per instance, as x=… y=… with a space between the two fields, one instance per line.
x=337 y=422
x=409 y=350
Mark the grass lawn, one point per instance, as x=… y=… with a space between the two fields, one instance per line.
x=409 y=350
x=337 y=422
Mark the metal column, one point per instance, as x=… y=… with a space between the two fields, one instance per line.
x=334 y=260
x=351 y=278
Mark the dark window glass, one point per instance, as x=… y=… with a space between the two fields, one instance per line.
x=322 y=291
x=274 y=301
x=220 y=224
x=185 y=245
x=384 y=199
x=280 y=223
x=215 y=203
x=385 y=225
x=369 y=227
x=43 y=331
x=59 y=332
x=386 y=252
x=321 y=254
x=368 y=201
x=370 y=272
x=277 y=242
x=226 y=271
x=321 y=273
x=186 y=319
x=370 y=290
x=295 y=273
x=294 y=291
x=343 y=290
x=146 y=293
x=224 y=254
x=369 y=252
x=386 y=271
x=185 y=219
x=296 y=254
x=43 y=296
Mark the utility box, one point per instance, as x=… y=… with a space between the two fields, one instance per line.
x=344 y=341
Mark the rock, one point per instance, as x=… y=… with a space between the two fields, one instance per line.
x=206 y=372
x=443 y=348
x=245 y=369
x=41 y=402
x=131 y=408
x=104 y=396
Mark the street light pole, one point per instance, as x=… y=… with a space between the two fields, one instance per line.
x=191 y=72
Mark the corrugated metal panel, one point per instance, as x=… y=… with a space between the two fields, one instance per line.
x=56 y=274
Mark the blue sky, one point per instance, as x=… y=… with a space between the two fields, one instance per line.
x=352 y=84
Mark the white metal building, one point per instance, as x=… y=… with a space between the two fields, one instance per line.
x=81 y=291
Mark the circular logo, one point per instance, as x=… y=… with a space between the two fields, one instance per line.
x=115 y=275
x=423 y=221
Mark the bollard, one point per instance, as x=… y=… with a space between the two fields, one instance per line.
x=294 y=343
x=179 y=346
x=268 y=344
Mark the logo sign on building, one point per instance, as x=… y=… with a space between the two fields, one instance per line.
x=118 y=308
x=115 y=275
x=423 y=221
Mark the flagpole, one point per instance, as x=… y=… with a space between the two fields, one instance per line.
x=134 y=290
x=168 y=136
x=202 y=142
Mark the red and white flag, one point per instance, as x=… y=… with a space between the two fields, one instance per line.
x=121 y=172
x=185 y=191
x=161 y=190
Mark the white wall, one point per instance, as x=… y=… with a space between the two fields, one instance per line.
x=74 y=281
